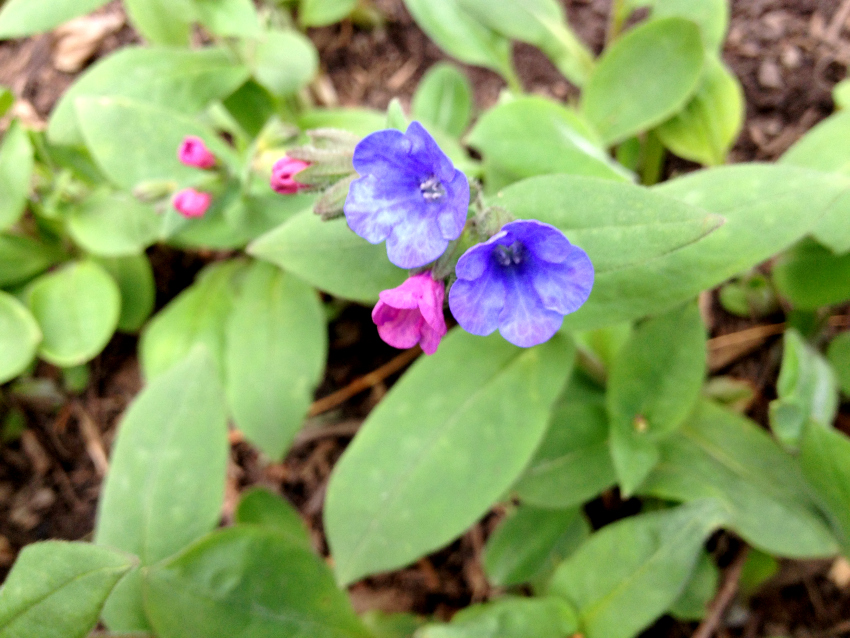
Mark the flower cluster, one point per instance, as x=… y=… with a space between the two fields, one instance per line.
x=193 y=152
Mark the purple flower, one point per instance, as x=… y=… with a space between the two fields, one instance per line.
x=412 y=313
x=408 y=194
x=523 y=280
x=193 y=152
x=191 y=203
x=283 y=175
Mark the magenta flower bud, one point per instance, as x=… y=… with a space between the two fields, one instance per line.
x=193 y=152
x=283 y=175
x=412 y=313
x=191 y=203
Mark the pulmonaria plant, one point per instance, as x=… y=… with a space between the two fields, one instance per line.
x=191 y=203
x=412 y=313
x=193 y=152
x=409 y=194
x=283 y=176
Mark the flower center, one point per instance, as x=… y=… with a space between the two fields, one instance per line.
x=432 y=189
x=510 y=255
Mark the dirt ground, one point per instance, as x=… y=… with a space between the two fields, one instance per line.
x=787 y=53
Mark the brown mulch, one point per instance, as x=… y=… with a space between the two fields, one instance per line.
x=787 y=53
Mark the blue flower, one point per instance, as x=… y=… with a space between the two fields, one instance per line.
x=409 y=194
x=523 y=280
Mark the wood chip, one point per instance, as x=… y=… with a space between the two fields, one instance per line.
x=839 y=573
x=78 y=40
x=35 y=453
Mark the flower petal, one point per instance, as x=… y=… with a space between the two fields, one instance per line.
x=403 y=328
x=371 y=214
x=454 y=206
x=383 y=153
x=476 y=303
x=428 y=153
x=543 y=240
x=415 y=241
x=430 y=339
x=524 y=321
x=566 y=286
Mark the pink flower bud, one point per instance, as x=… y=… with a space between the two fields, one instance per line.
x=191 y=203
x=193 y=152
x=283 y=175
x=412 y=313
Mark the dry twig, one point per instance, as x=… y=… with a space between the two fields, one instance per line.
x=723 y=598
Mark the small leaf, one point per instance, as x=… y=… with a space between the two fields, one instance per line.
x=56 y=589
x=626 y=94
x=258 y=506
x=251 y=581
x=283 y=61
x=476 y=398
x=162 y=21
x=839 y=356
x=16 y=165
x=509 y=617
x=19 y=18
x=19 y=337
x=692 y=603
x=113 y=224
x=444 y=99
x=134 y=277
x=320 y=13
x=77 y=308
x=811 y=276
x=712 y=16
x=825 y=459
x=228 y=17
x=22 y=258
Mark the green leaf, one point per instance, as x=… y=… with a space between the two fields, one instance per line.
x=626 y=94
x=329 y=256
x=19 y=337
x=807 y=389
x=460 y=35
x=811 y=276
x=654 y=382
x=541 y=23
x=708 y=126
x=77 y=309
x=7 y=100
x=16 y=164
x=228 y=17
x=648 y=560
x=134 y=142
x=719 y=454
x=248 y=581
x=825 y=459
x=529 y=541
x=839 y=356
x=165 y=485
x=198 y=315
x=162 y=21
x=113 y=224
x=509 y=617
x=134 y=277
x=443 y=99
x=22 y=258
x=181 y=80
x=276 y=346
x=841 y=94
x=359 y=121
x=56 y=589
x=572 y=463
x=712 y=17
x=258 y=506
x=19 y=18
x=405 y=485
x=692 y=603
x=320 y=13
x=532 y=136
x=282 y=61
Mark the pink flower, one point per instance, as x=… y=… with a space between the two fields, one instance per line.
x=283 y=175
x=412 y=313
x=191 y=203
x=193 y=152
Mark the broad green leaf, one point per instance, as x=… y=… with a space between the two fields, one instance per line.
x=405 y=485
x=359 y=121
x=16 y=164
x=647 y=561
x=134 y=142
x=807 y=389
x=320 y=13
x=572 y=464
x=181 y=80
x=228 y=17
x=509 y=617
x=532 y=136
x=165 y=485
x=329 y=256
x=460 y=35
x=134 y=277
x=276 y=346
x=811 y=276
x=654 y=382
x=627 y=94
x=251 y=105
x=530 y=540
x=113 y=224
x=692 y=603
x=19 y=337
x=620 y=226
x=19 y=18
x=541 y=23
x=444 y=99
x=258 y=506
x=198 y=315
x=825 y=459
x=56 y=589
x=839 y=356
x=712 y=16
x=77 y=309
x=721 y=455
x=162 y=21
x=707 y=127
x=282 y=61
x=247 y=581
x=22 y=258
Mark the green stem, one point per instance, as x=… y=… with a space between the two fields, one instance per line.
x=653 y=159
x=619 y=14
